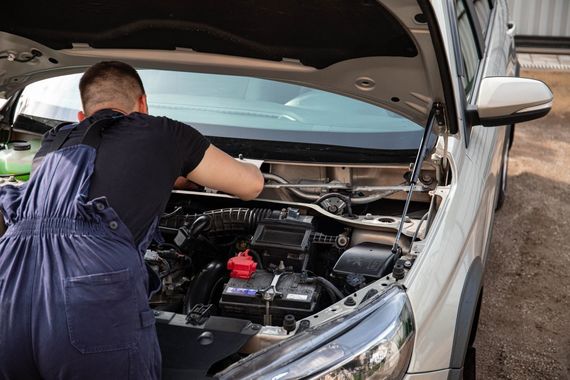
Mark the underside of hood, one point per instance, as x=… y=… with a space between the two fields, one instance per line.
x=380 y=52
x=315 y=33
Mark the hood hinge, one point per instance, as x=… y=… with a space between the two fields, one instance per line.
x=440 y=124
x=442 y=129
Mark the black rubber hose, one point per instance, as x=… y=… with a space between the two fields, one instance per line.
x=333 y=291
x=224 y=220
x=204 y=285
x=240 y=219
x=329 y=285
x=332 y=295
x=199 y=225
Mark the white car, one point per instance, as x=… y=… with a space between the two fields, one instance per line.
x=383 y=130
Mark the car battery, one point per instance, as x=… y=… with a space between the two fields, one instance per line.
x=244 y=298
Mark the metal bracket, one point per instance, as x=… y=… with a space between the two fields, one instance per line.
x=439 y=116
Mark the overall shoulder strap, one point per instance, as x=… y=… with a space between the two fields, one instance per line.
x=94 y=133
x=63 y=131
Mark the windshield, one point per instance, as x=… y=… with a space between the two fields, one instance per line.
x=234 y=107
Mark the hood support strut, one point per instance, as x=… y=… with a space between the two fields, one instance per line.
x=433 y=118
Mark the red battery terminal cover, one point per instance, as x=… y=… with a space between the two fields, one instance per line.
x=242 y=266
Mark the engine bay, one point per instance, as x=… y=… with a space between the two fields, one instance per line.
x=257 y=264
x=255 y=273
x=234 y=278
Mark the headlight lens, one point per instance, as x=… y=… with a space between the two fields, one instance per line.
x=376 y=342
x=386 y=358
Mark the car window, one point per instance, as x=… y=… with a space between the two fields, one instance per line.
x=469 y=52
x=243 y=107
x=483 y=11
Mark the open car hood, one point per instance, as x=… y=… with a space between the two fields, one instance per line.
x=380 y=52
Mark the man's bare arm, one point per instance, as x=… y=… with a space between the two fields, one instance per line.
x=219 y=171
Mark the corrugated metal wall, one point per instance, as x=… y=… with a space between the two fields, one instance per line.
x=548 y=18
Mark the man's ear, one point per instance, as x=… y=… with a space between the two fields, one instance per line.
x=142 y=104
x=80 y=116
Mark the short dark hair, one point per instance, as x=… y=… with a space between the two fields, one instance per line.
x=112 y=82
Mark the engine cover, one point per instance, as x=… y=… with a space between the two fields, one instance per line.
x=243 y=298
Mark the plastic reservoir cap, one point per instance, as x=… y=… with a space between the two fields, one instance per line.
x=21 y=145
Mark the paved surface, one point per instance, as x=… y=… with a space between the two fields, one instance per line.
x=544 y=61
x=524 y=330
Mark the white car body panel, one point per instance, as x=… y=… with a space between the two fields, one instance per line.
x=461 y=231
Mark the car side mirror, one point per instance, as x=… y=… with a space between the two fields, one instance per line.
x=510 y=100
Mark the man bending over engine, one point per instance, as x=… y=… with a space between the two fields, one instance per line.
x=73 y=284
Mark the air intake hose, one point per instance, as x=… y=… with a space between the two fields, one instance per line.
x=223 y=220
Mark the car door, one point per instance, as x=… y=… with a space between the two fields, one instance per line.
x=479 y=48
x=498 y=58
x=492 y=41
x=468 y=216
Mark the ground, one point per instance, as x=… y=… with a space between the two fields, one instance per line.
x=524 y=330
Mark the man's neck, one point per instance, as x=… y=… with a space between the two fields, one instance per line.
x=116 y=109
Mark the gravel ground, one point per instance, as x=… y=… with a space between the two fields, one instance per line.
x=524 y=328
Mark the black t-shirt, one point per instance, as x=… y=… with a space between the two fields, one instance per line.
x=138 y=160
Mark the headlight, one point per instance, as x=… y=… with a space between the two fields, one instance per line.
x=375 y=341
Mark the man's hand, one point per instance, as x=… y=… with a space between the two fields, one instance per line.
x=219 y=171
x=183 y=183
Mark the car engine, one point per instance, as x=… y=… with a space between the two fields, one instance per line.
x=238 y=277
x=268 y=266
x=260 y=264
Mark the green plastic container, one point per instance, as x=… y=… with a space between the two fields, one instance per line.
x=16 y=159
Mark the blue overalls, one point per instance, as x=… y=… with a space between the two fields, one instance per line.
x=73 y=285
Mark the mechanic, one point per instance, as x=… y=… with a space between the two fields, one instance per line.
x=73 y=284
